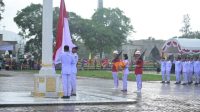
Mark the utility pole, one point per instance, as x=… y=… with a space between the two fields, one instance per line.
x=100 y=4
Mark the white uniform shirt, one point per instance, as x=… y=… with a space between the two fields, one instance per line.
x=168 y=65
x=196 y=66
x=66 y=61
x=191 y=66
x=185 y=66
x=126 y=69
x=163 y=65
x=74 y=65
x=178 y=66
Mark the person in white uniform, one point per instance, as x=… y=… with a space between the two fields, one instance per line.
x=197 y=70
x=74 y=70
x=168 y=69
x=126 y=73
x=178 y=68
x=67 y=61
x=163 y=69
x=185 y=67
x=191 y=67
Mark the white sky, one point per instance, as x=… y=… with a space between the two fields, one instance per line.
x=161 y=19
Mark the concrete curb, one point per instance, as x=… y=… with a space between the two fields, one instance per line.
x=68 y=103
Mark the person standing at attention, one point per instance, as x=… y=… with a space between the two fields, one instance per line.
x=178 y=68
x=185 y=67
x=163 y=69
x=67 y=62
x=126 y=72
x=138 y=70
x=74 y=70
x=196 y=70
x=168 y=69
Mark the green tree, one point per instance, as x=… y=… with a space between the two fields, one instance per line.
x=29 y=20
x=2 y=5
x=192 y=35
x=107 y=30
x=186 y=29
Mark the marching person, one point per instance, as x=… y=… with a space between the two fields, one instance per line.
x=115 y=66
x=178 y=67
x=67 y=61
x=197 y=70
x=126 y=72
x=168 y=69
x=163 y=69
x=74 y=70
x=138 y=70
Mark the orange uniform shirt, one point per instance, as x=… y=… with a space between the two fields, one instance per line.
x=139 y=67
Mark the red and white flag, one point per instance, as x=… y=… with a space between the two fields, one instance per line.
x=63 y=36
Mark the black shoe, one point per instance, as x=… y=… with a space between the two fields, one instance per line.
x=195 y=83
x=74 y=94
x=168 y=82
x=65 y=97
x=184 y=83
x=124 y=90
x=162 y=82
x=176 y=83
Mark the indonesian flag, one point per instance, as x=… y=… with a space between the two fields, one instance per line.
x=63 y=36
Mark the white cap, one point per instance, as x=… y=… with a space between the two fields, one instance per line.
x=115 y=52
x=137 y=52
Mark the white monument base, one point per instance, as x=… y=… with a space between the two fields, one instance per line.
x=47 y=85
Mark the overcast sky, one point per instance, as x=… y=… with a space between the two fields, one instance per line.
x=161 y=19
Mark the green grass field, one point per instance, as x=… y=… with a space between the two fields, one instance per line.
x=131 y=77
x=108 y=75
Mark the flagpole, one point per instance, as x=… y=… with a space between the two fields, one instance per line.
x=47 y=38
x=46 y=83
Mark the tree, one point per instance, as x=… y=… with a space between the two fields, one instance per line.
x=29 y=20
x=186 y=28
x=2 y=5
x=192 y=35
x=107 y=30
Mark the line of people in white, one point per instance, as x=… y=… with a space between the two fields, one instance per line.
x=188 y=67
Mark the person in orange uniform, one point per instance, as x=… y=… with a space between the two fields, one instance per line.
x=138 y=70
x=115 y=67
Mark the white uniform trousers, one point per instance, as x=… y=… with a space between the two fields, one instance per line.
x=163 y=75
x=66 y=81
x=185 y=77
x=197 y=76
x=190 y=75
x=178 y=76
x=168 y=75
x=125 y=77
x=116 y=79
x=73 y=83
x=139 y=81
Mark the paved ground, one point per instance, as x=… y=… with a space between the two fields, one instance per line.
x=16 y=87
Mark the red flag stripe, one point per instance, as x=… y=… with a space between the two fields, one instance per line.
x=59 y=34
